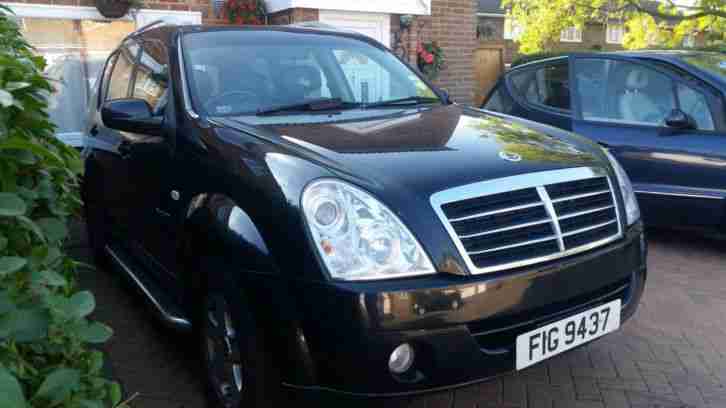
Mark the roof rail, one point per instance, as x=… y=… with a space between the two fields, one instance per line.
x=144 y=28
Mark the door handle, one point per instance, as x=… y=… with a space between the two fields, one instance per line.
x=124 y=149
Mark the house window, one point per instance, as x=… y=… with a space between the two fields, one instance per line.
x=614 y=34
x=512 y=29
x=571 y=34
x=689 y=40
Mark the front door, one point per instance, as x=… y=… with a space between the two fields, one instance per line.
x=679 y=174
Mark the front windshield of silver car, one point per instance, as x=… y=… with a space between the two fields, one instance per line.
x=253 y=72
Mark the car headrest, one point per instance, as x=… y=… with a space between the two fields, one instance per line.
x=636 y=79
x=302 y=79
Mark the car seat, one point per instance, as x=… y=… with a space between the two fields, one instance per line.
x=635 y=103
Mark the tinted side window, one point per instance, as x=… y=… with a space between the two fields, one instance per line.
x=152 y=76
x=547 y=86
x=499 y=101
x=625 y=92
x=121 y=75
x=695 y=104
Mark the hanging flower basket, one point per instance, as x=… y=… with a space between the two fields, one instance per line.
x=250 y=12
x=430 y=59
x=113 y=8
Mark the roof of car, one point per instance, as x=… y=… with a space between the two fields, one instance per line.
x=664 y=55
x=166 y=32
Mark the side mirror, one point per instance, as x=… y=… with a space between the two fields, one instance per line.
x=131 y=115
x=678 y=119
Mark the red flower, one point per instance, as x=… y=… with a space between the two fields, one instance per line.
x=429 y=58
x=419 y=48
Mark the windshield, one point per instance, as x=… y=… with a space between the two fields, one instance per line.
x=246 y=72
x=712 y=62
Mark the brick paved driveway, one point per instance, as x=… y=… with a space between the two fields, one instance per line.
x=671 y=354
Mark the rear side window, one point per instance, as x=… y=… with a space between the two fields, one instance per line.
x=118 y=85
x=548 y=86
x=630 y=93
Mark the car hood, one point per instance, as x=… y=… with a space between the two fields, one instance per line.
x=430 y=150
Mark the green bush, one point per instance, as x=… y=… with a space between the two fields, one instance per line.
x=45 y=358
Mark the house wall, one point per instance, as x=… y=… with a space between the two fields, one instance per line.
x=203 y=6
x=593 y=38
x=452 y=24
x=293 y=15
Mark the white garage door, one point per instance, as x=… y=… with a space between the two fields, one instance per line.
x=374 y=25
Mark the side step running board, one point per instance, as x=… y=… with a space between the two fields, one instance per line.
x=168 y=311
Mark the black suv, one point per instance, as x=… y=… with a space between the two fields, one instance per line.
x=326 y=219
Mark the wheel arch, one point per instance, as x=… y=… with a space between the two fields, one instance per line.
x=216 y=227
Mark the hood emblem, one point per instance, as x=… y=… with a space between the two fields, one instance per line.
x=509 y=156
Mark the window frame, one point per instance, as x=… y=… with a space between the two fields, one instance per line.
x=524 y=102
x=578 y=34
x=608 y=30
x=658 y=66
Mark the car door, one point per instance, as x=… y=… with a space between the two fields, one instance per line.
x=541 y=93
x=679 y=173
x=151 y=160
x=116 y=184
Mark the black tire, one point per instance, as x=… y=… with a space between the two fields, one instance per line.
x=259 y=385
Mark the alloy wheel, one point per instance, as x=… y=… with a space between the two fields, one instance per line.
x=224 y=362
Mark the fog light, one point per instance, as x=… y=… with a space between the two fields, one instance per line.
x=401 y=359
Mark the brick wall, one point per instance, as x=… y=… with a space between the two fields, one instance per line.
x=453 y=25
x=295 y=15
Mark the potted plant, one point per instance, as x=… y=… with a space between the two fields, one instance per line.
x=430 y=59
x=250 y=12
x=116 y=8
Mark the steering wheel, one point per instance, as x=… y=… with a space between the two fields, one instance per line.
x=232 y=101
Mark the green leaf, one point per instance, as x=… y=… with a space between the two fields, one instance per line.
x=49 y=278
x=11 y=205
x=6 y=303
x=11 y=394
x=3 y=242
x=95 y=363
x=32 y=226
x=81 y=304
x=95 y=333
x=54 y=229
x=14 y=86
x=6 y=98
x=90 y=404
x=59 y=385
x=11 y=264
x=114 y=393
x=24 y=325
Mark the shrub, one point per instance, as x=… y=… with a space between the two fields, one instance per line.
x=45 y=359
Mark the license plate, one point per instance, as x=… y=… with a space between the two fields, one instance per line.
x=560 y=336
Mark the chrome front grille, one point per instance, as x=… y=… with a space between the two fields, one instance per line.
x=521 y=220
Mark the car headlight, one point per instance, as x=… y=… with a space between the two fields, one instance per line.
x=359 y=238
x=632 y=210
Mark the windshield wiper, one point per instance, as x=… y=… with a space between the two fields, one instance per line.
x=411 y=100
x=312 y=105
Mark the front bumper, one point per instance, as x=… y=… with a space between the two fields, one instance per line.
x=463 y=329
